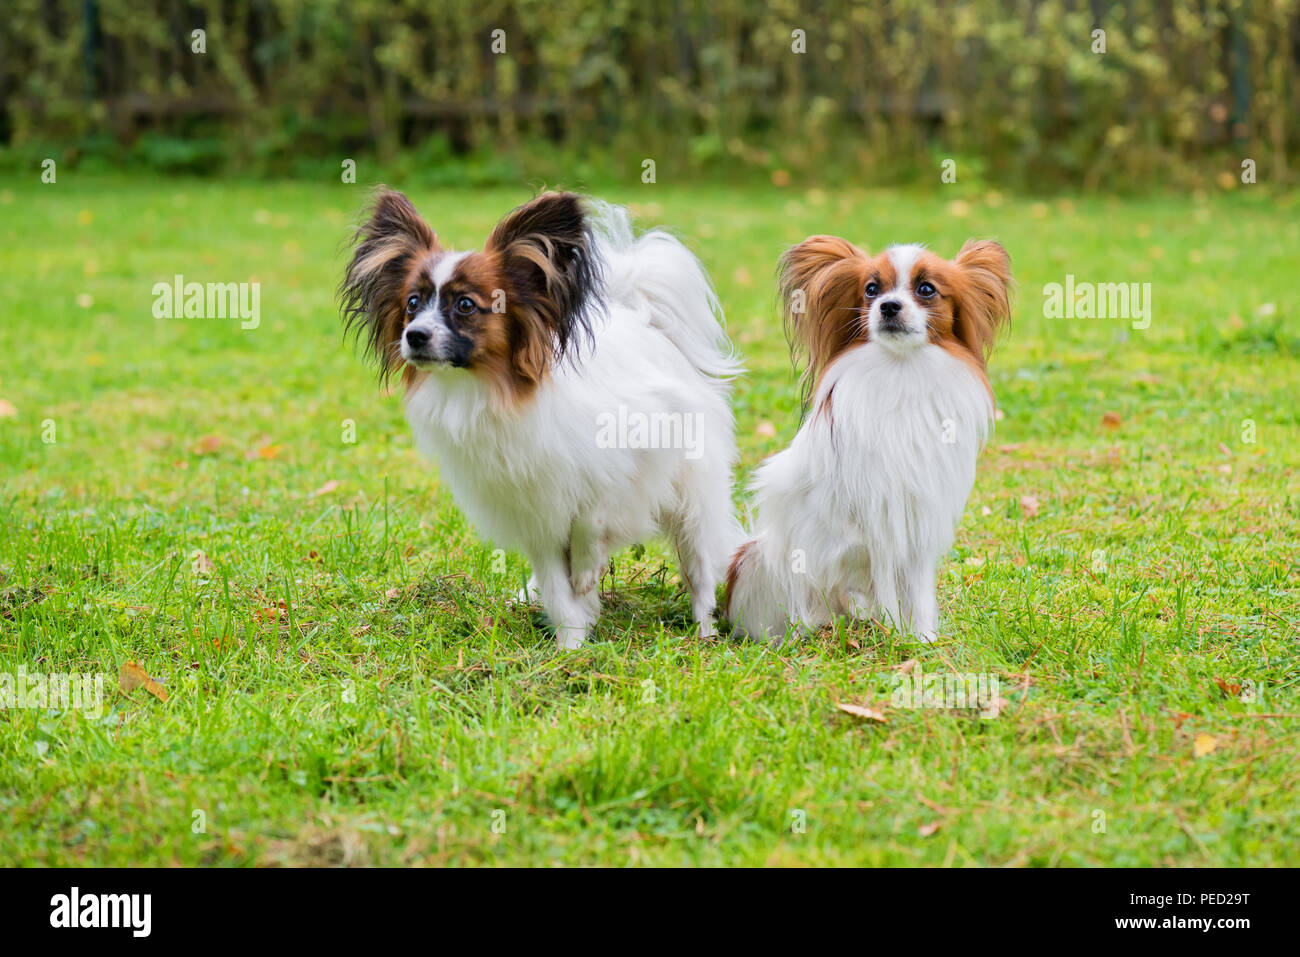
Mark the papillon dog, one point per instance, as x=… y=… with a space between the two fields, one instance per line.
x=853 y=517
x=571 y=381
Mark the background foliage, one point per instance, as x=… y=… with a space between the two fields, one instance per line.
x=1012 y=90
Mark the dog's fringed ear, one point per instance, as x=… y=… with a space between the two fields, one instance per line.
x=984 y=301
x=392 y=238
x=550 y=263
x=821 y=302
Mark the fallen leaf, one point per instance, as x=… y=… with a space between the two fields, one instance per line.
x=1229 y=690
x=765 y=430
x=862 y=711
x=1204 y=744
x=132 y=676
x=905 y=667
x=1178 y=718
x=271 y=613
x=925 y=830
x=1224 y=449
x=325 y=489
x=207 y=445
x=269 y=451
x=1029 y=505
x=1111 y=420
x=7 y=411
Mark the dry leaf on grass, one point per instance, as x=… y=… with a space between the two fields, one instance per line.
x=1029 y=505
x=1229 y=690
x=7 y=411
x=325 y=489
x=925 y=830
x=208 y=445
x=861 y=711
x=263 y=448
x=1204 y=744
x=272 y=612
x=1111 y=420
x=132 y=676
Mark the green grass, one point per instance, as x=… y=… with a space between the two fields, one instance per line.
x=350 y=682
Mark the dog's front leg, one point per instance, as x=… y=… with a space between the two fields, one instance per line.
x=588 y=552
x=570 y=613
x=918 y=608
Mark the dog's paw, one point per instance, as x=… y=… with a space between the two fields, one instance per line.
x=570 y=639
x=583 y=582
x=858 y=607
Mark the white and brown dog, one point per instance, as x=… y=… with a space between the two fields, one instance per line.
x=517 y=358
x=854 y=516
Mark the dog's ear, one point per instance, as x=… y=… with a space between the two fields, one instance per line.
x=821 y=301
x=387 y=245
x=984 y=298
x=548 y=258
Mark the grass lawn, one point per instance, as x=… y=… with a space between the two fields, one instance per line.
x=242 y=513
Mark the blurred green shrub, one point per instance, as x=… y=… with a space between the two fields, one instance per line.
x=873 y=90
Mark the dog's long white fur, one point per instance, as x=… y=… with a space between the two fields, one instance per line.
x=534 y=477
x=854 y=516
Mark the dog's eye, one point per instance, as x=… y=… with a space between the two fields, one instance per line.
x=412 y=303
x=465 y=306
x=926 y=290
x=873 y=290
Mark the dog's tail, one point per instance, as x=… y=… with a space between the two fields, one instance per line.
x=656 y=272
x=753 y=600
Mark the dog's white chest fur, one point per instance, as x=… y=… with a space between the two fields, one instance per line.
x=854 y=515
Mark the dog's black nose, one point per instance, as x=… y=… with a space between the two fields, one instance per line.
x=890 y=308
x=417 y=338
